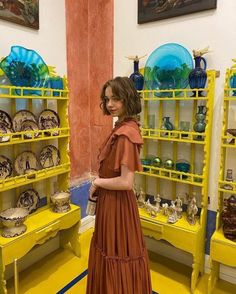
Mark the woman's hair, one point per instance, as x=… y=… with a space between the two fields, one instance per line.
x=122 y=89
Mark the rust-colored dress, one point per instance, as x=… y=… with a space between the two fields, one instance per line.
x=118 y=261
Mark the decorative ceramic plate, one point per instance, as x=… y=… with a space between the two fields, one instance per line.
x=49 y=156
x=29 y=125
x=4 y=130
x=5 y=119
x=20 y=117
x=168 y=67
x=5 y=167
x=25 y=162
x=29 y=199
x=49 y=119
x=25 y=68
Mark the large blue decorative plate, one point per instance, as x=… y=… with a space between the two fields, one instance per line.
x=25 y=68
x=168 y=67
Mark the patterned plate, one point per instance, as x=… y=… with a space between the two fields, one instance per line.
x=29 y=199
x=5 y=167
x=5 y=119
x=4 y=130
x=20 y=117
x=49 y=156
x=25 y=162
x=29 y=125
x=49 y=119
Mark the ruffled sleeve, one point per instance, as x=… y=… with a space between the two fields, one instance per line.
x=127 y=153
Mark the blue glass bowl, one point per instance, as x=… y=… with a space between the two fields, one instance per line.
x=25 y=68
x=182 y=167
x=168 y=67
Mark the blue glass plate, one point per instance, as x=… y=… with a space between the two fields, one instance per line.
x=168 y=67
x=25 y=68
x=232 y=83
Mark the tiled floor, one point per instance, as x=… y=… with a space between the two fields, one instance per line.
x=62 y=272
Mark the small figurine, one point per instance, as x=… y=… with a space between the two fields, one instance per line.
x=158 y=202
x=173 y=214
x=192 y=211
x=229 y=178
x=165 y=208
x=151 y=209
x=229 y=218
x=141 y=198
x=179 y=209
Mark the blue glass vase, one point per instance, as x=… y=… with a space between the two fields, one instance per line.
x=200 y=124
x=137 y=77
x=198 y=76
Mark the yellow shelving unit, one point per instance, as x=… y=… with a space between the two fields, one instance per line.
x=42 y=224
x=223 y=250
x=182 y=235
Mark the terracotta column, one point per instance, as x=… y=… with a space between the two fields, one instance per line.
x=90 y=63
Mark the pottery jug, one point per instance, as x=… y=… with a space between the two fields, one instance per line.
x=198 y=76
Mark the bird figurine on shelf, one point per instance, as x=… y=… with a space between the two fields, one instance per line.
x=136 y=76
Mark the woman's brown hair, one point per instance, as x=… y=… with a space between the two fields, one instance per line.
x=123 y=89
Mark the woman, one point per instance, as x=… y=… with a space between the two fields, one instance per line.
x=118 y=261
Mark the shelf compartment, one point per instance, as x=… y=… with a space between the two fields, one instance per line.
x=173 y=175
x=13 y=182
x=18 y=137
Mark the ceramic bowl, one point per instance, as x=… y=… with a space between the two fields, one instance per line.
x=61 y=202
x=12 y=220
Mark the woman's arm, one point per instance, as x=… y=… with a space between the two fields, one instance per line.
x=123 y=182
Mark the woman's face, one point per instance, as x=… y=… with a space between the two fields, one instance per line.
x=114 y=105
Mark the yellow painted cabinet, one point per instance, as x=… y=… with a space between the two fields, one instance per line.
x=223 y=250
x=178 y=144
x=43 y=223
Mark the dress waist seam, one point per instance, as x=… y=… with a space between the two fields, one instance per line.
x=118 y=258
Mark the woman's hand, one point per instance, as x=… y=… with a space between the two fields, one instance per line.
x=92 y=190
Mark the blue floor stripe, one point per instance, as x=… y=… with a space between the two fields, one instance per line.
x=73 y=282
x=76 y=280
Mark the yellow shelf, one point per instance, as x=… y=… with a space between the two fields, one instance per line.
x=158 y=228
x=222 y=250
x=18 y=137
x=181 y=234
x=13 y=182
x=42 y=224
x=173 y=175
x=175 y=136
x=42 y=93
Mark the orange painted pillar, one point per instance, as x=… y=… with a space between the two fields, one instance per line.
x=89 y=32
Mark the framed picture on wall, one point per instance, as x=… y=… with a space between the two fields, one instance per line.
x=24 y=12
x=151 y=10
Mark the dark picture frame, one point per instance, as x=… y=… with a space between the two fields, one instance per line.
x=24 y=13
x=152 y=10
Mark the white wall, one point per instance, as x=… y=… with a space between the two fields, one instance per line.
x=215 y=28
x=49 y=41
